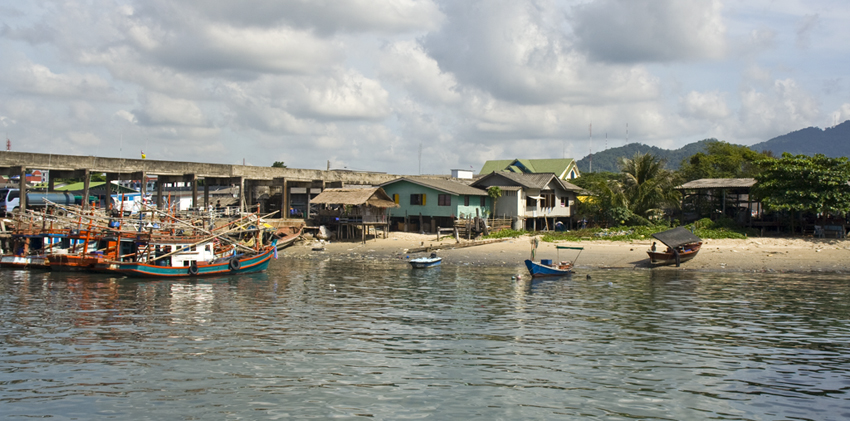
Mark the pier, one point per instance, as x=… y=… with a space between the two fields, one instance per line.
x=195 y=174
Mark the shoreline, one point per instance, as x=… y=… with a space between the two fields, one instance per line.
x=759 y=254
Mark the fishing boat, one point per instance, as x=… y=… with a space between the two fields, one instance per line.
x=682 y=245
x=547 y=267
x=30 y=249
x=176 y=260
x=288 y=235
x=426 y=262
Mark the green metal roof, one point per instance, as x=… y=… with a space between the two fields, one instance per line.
x=558 y=167
x=116 y=188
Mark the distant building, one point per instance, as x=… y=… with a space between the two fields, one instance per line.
x=430 y=199
x=564 y=169
x=463 y=174
x=538 y=200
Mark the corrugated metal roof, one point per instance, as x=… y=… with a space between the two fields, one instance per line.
x=718 y=183
x=538 y=166
x=356 y=197
x=447 y=186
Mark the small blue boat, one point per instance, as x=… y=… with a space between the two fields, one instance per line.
x=546 y=267
x=426 y=262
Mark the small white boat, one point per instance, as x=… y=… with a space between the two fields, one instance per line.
x=426 y=262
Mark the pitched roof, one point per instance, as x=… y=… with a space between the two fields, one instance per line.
x=443 y=185
x=374 y=196
x=555 y=166
x=531 y=181
x=718 y=183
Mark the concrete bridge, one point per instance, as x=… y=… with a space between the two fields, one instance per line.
x=196 y=174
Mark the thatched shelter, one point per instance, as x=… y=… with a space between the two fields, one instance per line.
x=349 y=209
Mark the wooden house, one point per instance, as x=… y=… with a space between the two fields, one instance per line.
x=564 y=169
x=428 y=203
x=538 y=200
x=349 y=210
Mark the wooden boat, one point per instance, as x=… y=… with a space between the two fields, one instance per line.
x=546 y=267
x=30 y=250
x=682 y=245
x=12 y=261
x=191 y=261
x=426 y=262
x=288 y=235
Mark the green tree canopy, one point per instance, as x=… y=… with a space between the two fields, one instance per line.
x=721 y=160
x=803 y=183
x=647 y=185
x=278 y=164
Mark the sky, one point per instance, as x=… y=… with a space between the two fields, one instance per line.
x=413 y=86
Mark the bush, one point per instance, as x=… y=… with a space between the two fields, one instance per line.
x=506 y=233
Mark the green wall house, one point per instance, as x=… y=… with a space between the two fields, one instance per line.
x=438 y=200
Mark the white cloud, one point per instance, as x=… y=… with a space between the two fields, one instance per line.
x=784 y=108
x=37 y=79
x=705 y=105
x=162 y=110
x=347 y=96
x=628 y=31
x=406 y=63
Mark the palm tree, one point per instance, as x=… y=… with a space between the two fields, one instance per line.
x=495 y=193
x=647 y=185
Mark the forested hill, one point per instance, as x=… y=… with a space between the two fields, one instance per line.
x=833 y=142
x=607 y=160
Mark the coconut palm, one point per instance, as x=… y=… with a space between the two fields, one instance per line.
x=647 y=185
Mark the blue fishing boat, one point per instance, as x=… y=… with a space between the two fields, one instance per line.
x=547 y=267
x=426 y=262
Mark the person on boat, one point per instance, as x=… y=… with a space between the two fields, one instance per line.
x=653 y=247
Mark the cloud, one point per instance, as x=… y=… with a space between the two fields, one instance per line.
x=517 y=52
x=37 y=79
x=321 y=16
x=783 y=108
x=805 y=27
x=705 y=105
x=162 y=110
x=635 y=31
x=407 y=63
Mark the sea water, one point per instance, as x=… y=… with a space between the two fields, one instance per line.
x=352 y=339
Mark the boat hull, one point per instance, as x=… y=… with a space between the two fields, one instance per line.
x=666 y=258
x=252 y=264
x=24 y=262
x=538 y=269
x=425 y=262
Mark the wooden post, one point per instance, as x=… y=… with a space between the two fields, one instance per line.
x=22 y=189
x=86 y=185
x=160 y=203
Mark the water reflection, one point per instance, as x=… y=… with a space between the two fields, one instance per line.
x=336 y=338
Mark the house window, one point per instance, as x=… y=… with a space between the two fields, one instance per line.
x=483 y=201
x=530 y=201
x=564 y=202
x=466 y=200
x=548 y=200
x=417 y=199
x=444 y=200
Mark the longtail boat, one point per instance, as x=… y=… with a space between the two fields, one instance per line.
x=682 y=245
x=547 y=267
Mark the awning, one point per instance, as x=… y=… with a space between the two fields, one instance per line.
x=676 y=237
x=535 y=197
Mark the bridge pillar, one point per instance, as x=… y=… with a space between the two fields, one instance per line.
x=160 y=203
x=22 y=189
x=86 y=187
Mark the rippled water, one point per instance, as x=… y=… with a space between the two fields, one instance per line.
x=342 y=339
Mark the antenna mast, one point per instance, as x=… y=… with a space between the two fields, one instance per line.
x=590 y=130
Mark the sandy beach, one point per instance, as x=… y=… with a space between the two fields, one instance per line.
x=749 y=255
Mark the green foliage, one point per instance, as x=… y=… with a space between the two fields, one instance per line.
x=586 y=181
x=506 y=233
x=721 y=160
x=278 y=164
x=495 y=193
x=704 y=228
x=647 y=185
x=815 y=184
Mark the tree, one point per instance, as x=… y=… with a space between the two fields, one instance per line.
x=721 y=160
x=647 y=186
x=278 y=164
x=802 y=183
x=495 y=193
